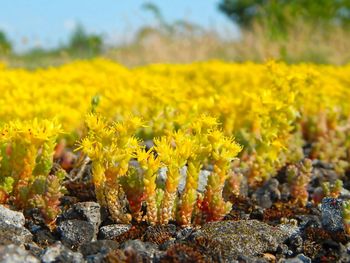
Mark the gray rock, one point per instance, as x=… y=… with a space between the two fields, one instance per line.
x=161 y=178
x=325 y=173
x=331 y=214
x=11 y=218
x=344 y=193
x=244 y=187
x=289 y=229
x=250 y=259
x=184 y=233
x=285 y=191
x=182 y=181
x=12 y=230
x=149 y=144
x=43 y=237
x=145 y=250
x=98 y=247
x=231 y=239
x=97 y=258
x=269 y=193
x=344 y=251
x=282 y=249
x=309 y=221
x=14 y=254
x=60 y=253
x=11 y=234
x=34 y=249
x=75 y=232
x=203 y=179
x=295 y=243
x=301 y=258
x=90 y=211
x=112 y=231
x=167 y=244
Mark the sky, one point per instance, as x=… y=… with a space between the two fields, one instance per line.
x=45 y=23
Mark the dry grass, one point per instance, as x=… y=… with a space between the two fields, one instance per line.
x=304 y=44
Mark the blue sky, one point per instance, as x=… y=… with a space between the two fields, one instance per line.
x=47 y=23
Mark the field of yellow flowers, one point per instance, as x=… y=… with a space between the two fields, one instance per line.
x=239 y=121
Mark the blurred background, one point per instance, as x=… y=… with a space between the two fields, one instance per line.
x=40 y=33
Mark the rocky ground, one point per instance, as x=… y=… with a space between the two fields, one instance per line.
x=263 y=226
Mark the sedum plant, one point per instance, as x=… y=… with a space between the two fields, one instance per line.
x=47 y=195
x=198 y=133
x=299 y=177
x=110 y=146
x=202 y=143
x=133 y=186
x=173 y=151
x=223 y=151
x=327 y=190
x=125 y=189
x=27 y=150
x=150 y=165
x=332 y=190
x=287 y=109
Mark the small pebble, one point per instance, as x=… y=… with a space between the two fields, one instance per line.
x=112 y=231
x=332 y=215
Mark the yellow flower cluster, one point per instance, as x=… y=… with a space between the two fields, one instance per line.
x=26 y=150
x=112 y=146
x=190 y=113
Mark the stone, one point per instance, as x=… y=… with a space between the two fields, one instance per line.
x=289 y=229
x=59 y=253
x=161 y=178
x=282 y=249
x=11 y=234
x=344 y=194
x=91 y=212
x=344 y=253
x=269 y=193
x=14 y=235
x=15 y=254
x=112 y=231
x=202 y=180
x=332 y=214
x=34 y=249
x=149 y=144
x=301 y=258
x=250 y=259
x=97 y=248
x=231 y=239
x=309 y=221
x=75 y=232
x=99 y=258
x=145 y=250
x=184 y=233
x=295 y=243
x=285 y=191
x=167 y=244
x=43 y=237
x=12 y=230
x=11 y=218
x=98 y=251
x=182 y=181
